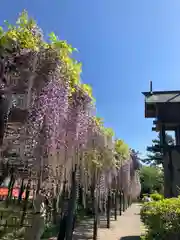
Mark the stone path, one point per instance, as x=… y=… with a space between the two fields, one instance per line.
x=127 y=227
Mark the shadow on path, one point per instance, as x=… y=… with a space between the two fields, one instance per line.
x=84 y=230
x=130 y=238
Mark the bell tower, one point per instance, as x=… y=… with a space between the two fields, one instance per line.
x=164 y=108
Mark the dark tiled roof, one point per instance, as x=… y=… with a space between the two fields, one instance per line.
x=162 y=97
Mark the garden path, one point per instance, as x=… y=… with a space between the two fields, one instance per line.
x=127 y=227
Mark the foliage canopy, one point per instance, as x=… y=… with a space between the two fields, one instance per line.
x=151 y=178
x=25 y=34
x=155 y=157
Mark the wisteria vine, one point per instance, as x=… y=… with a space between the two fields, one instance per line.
x=60 y=123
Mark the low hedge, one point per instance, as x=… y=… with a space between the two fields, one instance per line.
x=162 y=219
x=156 y=197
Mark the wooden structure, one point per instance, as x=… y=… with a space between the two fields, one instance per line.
x=164 y=107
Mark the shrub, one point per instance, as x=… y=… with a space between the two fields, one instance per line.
x=162 y=219
x=156 y=197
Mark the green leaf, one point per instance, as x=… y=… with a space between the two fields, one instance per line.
x=9 y=26
x=23 y=19
x=1 y=31
x=52 y=37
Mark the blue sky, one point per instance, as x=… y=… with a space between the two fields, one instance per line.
x=122 y=44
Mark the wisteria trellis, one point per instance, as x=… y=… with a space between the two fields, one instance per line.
x=60 y=123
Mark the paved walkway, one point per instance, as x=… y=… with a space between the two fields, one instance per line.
x=127 y=227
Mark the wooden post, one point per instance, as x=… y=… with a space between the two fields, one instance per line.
x=4 y=106
x=54 y=210
x=26 y=201
x=95 y=203
x=171 y=170
x=61 y=201
x=129 y=201
x=120 y=203
x=108 y=208
x=21 y=191
x=124 y=201
x=10 y=187
x=95 y=213
x=115 y=205
x=72 y=206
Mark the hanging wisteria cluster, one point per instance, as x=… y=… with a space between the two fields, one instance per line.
x=60 y=130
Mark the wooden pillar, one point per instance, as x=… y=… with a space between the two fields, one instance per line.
x=171 y=173
x=162 y=136
x=168 y=167
x=177 y=135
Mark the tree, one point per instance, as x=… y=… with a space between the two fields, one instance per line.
x=155 y=157
x=151 y=178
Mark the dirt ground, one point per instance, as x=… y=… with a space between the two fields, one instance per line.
x=127 y=227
